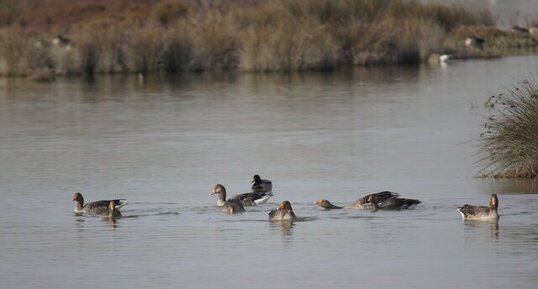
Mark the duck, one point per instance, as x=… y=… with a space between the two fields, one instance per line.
x=384 y=200
x=481 y=213
x=261 y=185
x=283 y=212
x=102 y=207
x=246 y=199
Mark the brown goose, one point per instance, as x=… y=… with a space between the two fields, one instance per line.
x=394 y=203
x=326 y=204
x=283 y=212
x=481 y=213
x=113 y=212
x=231 y=206
x=246 y=199
x=96 y=208
x=261 y=185
x=383 y=200
x=366 y=201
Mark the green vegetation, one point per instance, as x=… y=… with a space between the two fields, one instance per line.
x=510 y=142
x=140 y=36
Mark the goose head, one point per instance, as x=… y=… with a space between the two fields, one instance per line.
x=220 y=191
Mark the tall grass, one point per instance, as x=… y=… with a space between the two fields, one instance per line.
x=510 y=142
x=252 y=35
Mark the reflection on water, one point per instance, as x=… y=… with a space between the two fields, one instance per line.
x=161 y=144
x=482 y=227
x=284 y=228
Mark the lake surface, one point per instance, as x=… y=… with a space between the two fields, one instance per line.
x=162 y=143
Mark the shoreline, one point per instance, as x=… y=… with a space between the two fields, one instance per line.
x=147 y=37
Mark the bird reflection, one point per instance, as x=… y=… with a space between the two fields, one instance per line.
x=481 y=226
x=112 y=221
x=284 y=227
x=494 y=228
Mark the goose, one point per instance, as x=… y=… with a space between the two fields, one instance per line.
x=246 y=199
x=383 y=200
x=436 y=59
x=261 y=185
x=323 y=203
x=113 y=211
x=282 y=212
x=481 y=213
x=97 y=208
x=231 y=206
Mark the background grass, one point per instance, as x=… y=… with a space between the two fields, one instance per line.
x=142 y=36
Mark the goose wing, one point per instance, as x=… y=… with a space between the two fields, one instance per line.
x=101 y=207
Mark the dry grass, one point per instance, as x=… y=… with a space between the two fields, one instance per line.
x=111 y=36
x=494 y=37
x=510 y=142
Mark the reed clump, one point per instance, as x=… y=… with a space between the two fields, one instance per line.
x=509 y=145
x=252 y=35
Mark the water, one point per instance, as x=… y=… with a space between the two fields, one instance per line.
x=163 y=143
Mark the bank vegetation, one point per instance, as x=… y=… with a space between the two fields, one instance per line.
x=40 y=38
x=509 y=143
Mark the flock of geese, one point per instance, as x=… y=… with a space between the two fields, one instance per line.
x=262 y=191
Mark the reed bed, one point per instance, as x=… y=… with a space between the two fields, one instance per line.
x=509 y=146
x=142 y=36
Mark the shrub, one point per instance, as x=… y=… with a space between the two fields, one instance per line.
x=510 y=142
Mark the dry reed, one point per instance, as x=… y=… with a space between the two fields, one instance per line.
x=510 y=143
x=252 y=35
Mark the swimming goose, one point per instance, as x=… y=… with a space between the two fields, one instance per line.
x=366 y=201
x=261 y=185
x=113 y=211
x=326 y=204
x=233 y=206
x=246 y=199
x=97 y=208
x=481 y=213
x=394 y=203
x=383 y=200
x=283 y=212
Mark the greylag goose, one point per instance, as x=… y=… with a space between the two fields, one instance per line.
x=113 y=212
x=231 y=206
x=283 y=212
x=97 y=208
x=326 y=204
x=246 y=199
x=260 y=185
x=481 y=213
x=383 y=200
x=394 y=203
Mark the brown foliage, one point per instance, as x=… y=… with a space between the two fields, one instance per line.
x=111 y=36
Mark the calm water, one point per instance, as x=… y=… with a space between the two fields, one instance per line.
x=163 y=143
